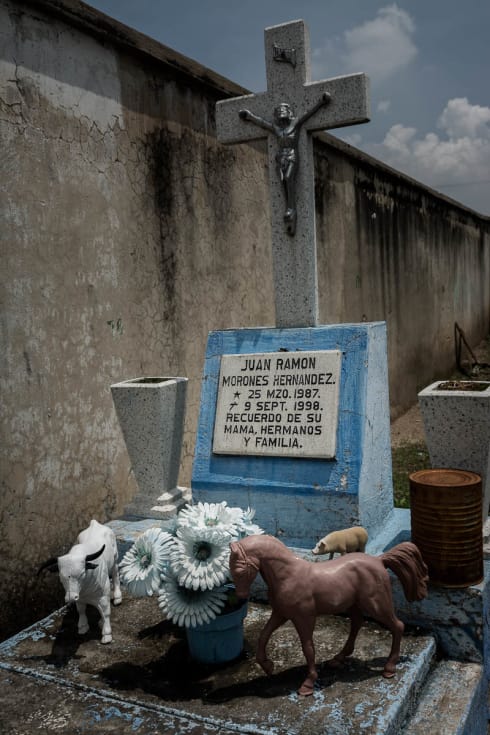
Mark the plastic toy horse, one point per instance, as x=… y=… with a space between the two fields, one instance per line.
x=299 y=590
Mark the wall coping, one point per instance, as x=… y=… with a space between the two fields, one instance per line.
x=109 y=30
x=400 y=177
x=112 y=31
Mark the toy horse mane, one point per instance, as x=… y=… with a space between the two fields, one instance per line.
x=240 y=561
x=247 y=555
x=238 y=557
x=262 y=543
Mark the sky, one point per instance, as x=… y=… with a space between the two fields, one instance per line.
x=428 y=63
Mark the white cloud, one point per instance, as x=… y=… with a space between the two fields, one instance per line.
x=460 y=155
x=461 y=119
x=379 y=47
x=382 y=46
x=383 y=106
x=398 y=139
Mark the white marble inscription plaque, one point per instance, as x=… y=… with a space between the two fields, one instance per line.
x=281 y=404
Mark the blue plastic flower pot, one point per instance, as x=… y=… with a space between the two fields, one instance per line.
x=220 y=640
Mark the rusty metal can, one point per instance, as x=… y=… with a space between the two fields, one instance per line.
x=446 y=511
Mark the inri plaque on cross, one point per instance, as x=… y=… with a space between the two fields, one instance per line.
x=291 y=109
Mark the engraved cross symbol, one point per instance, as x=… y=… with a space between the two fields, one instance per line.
x=291 y=109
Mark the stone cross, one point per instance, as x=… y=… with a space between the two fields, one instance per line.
x=286 y=114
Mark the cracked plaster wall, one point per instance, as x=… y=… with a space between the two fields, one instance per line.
x=126 y=238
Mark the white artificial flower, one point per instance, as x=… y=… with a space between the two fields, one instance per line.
x=245 y=525
x=200 y=557
x=189 y=607
x=143 y=564
x=210 y=515
x=170 y=524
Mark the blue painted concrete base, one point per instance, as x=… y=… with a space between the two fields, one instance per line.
x=301 y=499
x=40 y=678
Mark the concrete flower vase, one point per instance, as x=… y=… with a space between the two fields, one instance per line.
x=456 y=417
x=151 y=412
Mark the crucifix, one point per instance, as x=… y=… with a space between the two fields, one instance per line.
x=292 y=108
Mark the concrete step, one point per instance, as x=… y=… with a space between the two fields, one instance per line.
x=144 y=680
x=171 y=502
x=453 y=702
x=144 y=507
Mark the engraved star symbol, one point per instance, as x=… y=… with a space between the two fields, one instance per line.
x=237 y=395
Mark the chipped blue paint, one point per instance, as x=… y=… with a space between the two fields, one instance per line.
x=459 y=619
x=37 y=635
x=34 y=632
x=127 y=701
x=299 y=499
x=113 y=712
x=393 y=699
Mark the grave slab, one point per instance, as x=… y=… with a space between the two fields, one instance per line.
x=276 y=393
x=145 y=680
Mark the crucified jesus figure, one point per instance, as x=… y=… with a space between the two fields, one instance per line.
x=286 y=128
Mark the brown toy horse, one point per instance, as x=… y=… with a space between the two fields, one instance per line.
x=299 y=590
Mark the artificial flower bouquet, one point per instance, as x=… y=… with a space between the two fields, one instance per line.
x=186 y=561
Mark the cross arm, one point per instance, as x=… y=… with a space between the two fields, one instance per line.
x=348 y=102
x=231 y=127
x=324 y=100
x=256 y=120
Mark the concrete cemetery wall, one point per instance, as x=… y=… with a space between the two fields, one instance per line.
x=127 y=235
x=393 y=249
x=129 y=232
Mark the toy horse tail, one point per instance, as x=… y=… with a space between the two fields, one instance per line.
x=405 y=560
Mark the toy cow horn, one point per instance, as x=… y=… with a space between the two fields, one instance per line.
x=51 y=565
x=92 y=557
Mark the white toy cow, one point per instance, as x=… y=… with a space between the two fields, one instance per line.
x=85 y=574
x=342 y=542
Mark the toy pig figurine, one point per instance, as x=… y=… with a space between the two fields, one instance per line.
x=342 y=542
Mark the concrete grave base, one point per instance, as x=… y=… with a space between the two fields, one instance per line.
x=452 y=703
x=144 y=681
x=458 y=618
